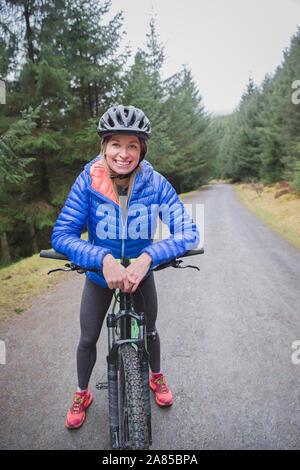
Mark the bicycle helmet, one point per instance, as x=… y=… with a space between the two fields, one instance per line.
x=124 y=120
x=127 y=120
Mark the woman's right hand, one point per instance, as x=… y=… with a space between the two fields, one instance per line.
x=115 y=274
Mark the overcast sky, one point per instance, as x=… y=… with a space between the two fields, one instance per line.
x=223 y=42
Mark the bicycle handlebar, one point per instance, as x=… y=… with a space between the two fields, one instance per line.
x=53 y=254
x=57 y=255
x=60 y=256
x=191 y=253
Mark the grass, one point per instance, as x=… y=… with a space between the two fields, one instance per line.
x=22 y=282
x=278 y=205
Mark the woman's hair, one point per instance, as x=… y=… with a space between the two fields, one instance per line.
x=144 y=149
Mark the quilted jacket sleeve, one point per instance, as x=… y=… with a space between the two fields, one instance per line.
x=69 y=225
x=184 y=233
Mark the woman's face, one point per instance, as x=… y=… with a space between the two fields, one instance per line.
x=123 y=153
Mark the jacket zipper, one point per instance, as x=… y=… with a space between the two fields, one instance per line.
x=125 y=224
x=123 y=221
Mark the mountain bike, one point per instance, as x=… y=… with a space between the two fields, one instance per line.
x=127 y=362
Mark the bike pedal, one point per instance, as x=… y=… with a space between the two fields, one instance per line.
x=102 y=385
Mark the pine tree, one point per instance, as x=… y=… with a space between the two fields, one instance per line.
x=189 y=166
x=13 y=173
x=290 y=111
x=67 y=63
x=223 y=131
x=91 y=55
x=247 y=163
x=144 y=88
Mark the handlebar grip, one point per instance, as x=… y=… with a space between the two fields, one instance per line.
x=53 y=254
x=159 y=267
x=192 y=252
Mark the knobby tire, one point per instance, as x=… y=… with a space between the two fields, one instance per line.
x=133 y=421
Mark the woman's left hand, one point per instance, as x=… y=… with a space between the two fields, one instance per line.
x=138 y=269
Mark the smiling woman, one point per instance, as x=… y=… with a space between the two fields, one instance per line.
x=114 y=196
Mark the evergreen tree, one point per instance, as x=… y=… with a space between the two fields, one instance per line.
x=68 y=64
x=144 y=88
x=223 y=132
x=248 y=135
x=179 y=147
x=91 y=55
x=8 y=40
x=290 y=111
x=189 y=165
x=13 y=174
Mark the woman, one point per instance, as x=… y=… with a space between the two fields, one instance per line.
x=119 y=196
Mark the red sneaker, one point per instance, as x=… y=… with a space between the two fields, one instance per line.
x=76 y=414
x=163 y=395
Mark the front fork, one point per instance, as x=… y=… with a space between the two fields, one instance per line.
x=125 y=318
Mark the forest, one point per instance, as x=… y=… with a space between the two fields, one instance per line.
x=261 y=139
x=63 y=64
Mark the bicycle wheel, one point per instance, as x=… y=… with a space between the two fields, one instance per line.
x=133 y=421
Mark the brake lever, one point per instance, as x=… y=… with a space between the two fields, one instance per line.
x=176 y=264
x=69 y=267
x=189 y=266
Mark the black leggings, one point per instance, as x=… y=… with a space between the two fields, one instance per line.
x=95 y=302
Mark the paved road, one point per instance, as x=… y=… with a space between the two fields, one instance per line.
x=226 y=333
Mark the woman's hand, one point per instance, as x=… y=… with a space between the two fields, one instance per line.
x=125 y=279
x=115 y=274
x=137 y=270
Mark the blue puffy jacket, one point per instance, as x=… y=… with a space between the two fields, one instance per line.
x=92 y=201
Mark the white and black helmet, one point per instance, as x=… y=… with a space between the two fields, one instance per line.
x=124 y=120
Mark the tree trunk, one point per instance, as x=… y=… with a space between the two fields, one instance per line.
x=44 y=179
x=91 y=100
x=33 y=238
x=82 y=87
x=82 y=96
x=96 y=99
x=29 y=32
x=5 y=254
